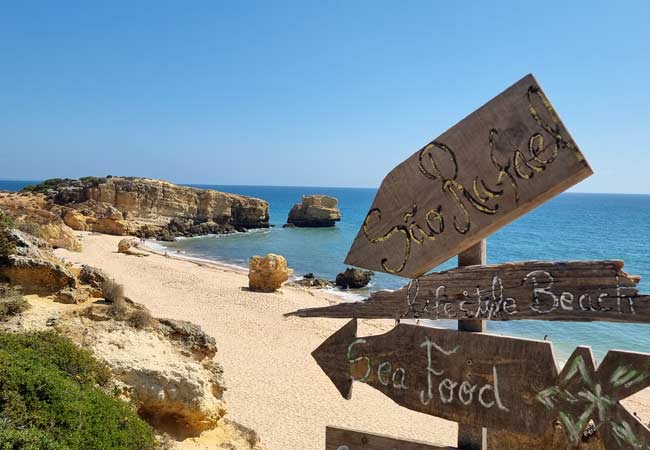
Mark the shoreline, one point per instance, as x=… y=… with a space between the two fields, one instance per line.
x=159 y=248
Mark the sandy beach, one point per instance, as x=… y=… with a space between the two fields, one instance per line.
x=274 y=385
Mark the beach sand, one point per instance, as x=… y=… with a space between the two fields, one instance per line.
x=274 y=385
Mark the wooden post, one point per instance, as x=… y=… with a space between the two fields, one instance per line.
x=472 y=438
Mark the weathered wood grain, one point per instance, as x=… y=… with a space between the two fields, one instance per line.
x=342 y=439
x=472 y=438
x=583 y=394
x=498 y=163
x=537 y=290
x=479 y=379
x=553 y=439
x=492 y=381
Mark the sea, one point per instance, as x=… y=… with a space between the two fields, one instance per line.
x=571 y=226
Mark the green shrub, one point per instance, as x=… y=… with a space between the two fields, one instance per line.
x=11 y=302
x=27 y=439
x=7 y=246
x=93 y=181
x=52 y=183
x=6 y=221
x=49 y=399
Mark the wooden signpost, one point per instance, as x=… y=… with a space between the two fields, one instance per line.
x=498 y=163
x=570 y=291
x=479 y=379
x=506 y=393
x=491 y=381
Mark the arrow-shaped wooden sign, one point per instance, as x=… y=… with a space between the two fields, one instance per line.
x=342 y=439
x=492 y=381
x=498 y=163
x=571 y=291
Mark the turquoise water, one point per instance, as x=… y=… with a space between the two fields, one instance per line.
x=571 y=226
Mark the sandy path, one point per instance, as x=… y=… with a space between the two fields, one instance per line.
x=274 y=386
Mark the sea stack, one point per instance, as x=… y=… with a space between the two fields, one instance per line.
x=315 y=211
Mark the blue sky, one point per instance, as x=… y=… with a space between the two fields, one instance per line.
x=327 y=93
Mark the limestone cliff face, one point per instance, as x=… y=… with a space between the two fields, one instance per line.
x=159 y=201
x=126 y=205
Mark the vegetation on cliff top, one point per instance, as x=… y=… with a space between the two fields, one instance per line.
x=50 y=398
x=56 y=183
x=7 y=246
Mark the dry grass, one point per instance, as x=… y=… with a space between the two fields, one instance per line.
x=30 y=228
x=141 y=319
x=11 y=302
x=119 y=309
x=113 y=292
x=124 y=310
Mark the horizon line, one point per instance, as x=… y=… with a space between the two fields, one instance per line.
x=195 y=184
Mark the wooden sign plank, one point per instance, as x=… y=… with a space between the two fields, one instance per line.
x=498 y=163
x=492 y=381
x=479 y=379
x=342 y=439
x=536 y=290
x=583 y=394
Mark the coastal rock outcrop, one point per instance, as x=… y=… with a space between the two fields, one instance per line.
x=172 y=386
x=92 y=276
x=310 y=280
x=34 y=212
x=154 y=208
x=353 y=278
x=315 y=211
x=267 y=273
x=33 y=267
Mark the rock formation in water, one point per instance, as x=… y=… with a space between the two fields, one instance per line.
x=135 y=206
x=315 y=211
x=354 y=278
x=267 y=273
x=310 y=280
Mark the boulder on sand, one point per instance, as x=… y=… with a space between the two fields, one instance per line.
x=267 y=273
x=315 y=211
x=354 y=278
x=128 y=246
x=125 y=245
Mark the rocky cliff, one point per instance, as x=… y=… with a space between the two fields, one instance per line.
x=155 y=208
